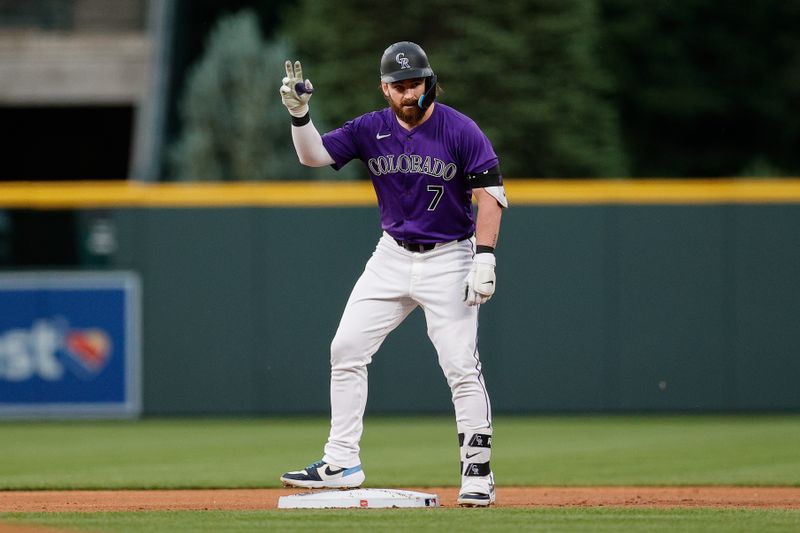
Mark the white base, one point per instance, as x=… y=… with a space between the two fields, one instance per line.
x=358 y=498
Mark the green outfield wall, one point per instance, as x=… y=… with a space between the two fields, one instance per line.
x=598 y=308
x=610 y=303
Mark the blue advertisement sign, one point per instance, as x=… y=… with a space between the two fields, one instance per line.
x=69 y=344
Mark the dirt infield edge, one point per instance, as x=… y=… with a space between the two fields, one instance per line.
x=509 y=497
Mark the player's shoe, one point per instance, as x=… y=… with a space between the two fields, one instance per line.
x=477 y=492
x=321 y=475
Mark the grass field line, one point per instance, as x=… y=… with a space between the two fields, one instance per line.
x=681 y=451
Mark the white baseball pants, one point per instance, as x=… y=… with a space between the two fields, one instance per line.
x=395 y=281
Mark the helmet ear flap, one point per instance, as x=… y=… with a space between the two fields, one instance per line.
x=427 y=99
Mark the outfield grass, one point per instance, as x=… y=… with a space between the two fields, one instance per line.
x=461 y=520
x=403 y=452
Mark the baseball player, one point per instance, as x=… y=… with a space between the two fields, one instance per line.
x=426 y=161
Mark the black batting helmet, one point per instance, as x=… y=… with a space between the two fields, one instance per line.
x=406 y=60
x=403 y=61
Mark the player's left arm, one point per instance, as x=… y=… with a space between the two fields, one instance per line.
x=487 y=224
x=481 y=281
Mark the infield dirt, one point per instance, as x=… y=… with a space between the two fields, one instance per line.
x=520 y=497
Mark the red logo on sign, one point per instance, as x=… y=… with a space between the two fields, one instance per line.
x=364 y=503
x=91 y=348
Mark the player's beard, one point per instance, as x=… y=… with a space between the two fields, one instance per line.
x=408 y=111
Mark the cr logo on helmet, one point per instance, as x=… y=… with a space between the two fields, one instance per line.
x=402 y=60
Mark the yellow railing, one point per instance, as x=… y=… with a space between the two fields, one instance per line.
x=99 y=194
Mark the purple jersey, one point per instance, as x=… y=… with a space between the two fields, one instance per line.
x=420 y=176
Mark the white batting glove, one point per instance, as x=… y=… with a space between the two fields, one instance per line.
x=297 y=104
x=480 y=282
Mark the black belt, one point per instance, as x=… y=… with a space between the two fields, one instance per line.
x=420 y=247
x=416 y=246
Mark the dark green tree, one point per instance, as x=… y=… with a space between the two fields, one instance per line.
x=706 y=87
x=527 y=72
x=234 y=125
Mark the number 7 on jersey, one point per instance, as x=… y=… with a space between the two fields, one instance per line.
x=438 y=191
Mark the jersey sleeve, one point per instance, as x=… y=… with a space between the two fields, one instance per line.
x=477 y=156
x=481 y=165
x=342 y=144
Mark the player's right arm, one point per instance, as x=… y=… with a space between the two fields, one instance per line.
x=295 y=94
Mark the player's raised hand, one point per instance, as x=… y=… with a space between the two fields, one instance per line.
x=295 y=91
x=480 y=282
